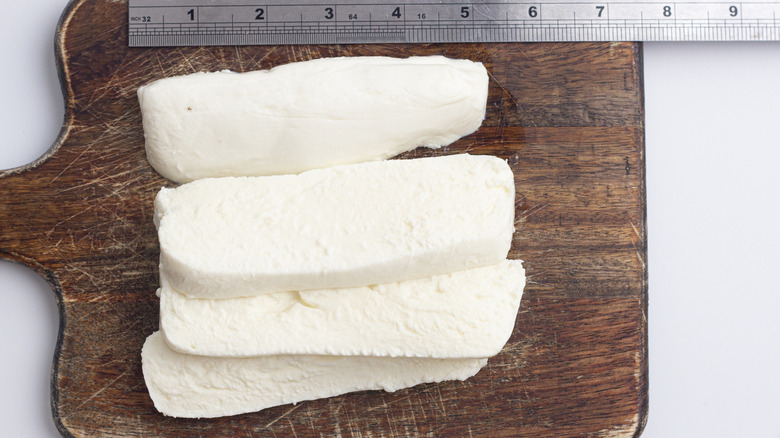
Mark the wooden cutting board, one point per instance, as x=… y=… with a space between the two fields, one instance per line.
x=568 y=118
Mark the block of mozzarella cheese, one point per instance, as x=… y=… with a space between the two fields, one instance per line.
x=468 y=313
x=344 y=226
x=308 y=115
x=190 y=386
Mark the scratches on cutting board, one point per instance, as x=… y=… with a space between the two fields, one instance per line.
x=506 y=94
x=629 y=429
x=286 y=413
x=239 y=59
x=160 y=64
x=186 y=59
x=637 y=238
x=73 y=161
x=103 y=388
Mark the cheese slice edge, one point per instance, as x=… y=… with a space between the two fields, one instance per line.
x=190 y=386
x=345 y=226
x=463 y=314
x=308 y=115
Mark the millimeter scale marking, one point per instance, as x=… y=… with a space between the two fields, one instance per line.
x=241 y=22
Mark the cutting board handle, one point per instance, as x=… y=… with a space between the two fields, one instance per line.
x=19 y=186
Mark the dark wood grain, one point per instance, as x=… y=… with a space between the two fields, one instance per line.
x=567 y=117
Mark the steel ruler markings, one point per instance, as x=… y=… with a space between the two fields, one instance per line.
x=241 y=22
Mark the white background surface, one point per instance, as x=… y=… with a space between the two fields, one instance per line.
x=712 y=115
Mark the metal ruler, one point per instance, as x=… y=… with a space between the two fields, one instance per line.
x=258 y=22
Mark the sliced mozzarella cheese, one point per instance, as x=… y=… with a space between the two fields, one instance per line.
x=308 y=115
x=464 y=314
x=344 y=226
x=190 y=386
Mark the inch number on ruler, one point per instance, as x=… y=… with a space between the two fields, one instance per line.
x=236 y=22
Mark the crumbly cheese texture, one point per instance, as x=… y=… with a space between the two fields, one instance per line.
x=190 y=386
x=468 y=313
x=344 y=226
x=308 y=115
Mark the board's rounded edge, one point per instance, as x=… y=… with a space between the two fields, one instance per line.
x=644 y=404
x=54 y=282
x=51 y=278
x=60 y=59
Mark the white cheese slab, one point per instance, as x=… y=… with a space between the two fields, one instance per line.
x=344 y=226
x=463 y=314
x=308 y=115
x=190 y=386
